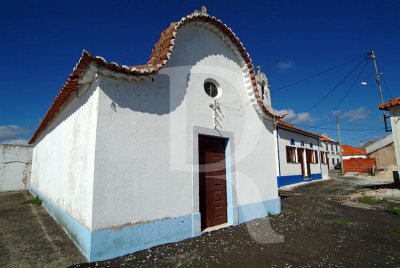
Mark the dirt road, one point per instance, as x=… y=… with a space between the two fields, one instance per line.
x=315 y=229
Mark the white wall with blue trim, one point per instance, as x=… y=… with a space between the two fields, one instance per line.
x=118 y=169
x=291 y=172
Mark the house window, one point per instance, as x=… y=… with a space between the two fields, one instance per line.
x=292 y=142
x=336 y=148
x=333 y=161
x=337 y=161
x=310 y=145
x=326 y=145
x=302 y=143
x=332 y=147
x=290 y=154
x=211 y=89
x=323 y=157
x=315 y=156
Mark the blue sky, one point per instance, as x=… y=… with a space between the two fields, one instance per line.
x=41 y=41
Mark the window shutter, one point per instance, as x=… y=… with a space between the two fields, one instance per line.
x=316 y=156
x=287 y=154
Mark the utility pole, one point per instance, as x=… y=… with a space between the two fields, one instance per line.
x=340 y=145
x=378 y=82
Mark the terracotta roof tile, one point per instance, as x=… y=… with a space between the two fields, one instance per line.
x=391 y=103
x=324 y=138
x=350 y=150
x=290 y=126
x=159 y=57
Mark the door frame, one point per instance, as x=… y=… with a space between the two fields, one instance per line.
x=309 y=153
x=232 y=208
x=300 y=152
x=211 y=184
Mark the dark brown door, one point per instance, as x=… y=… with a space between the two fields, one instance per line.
x=212 y=179
x=308 y=158
x=301 y=160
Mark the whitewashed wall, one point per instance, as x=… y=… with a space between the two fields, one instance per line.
x=332 y=153
x=63 y=158
x=354 y=156
x=285 y=136
x=144 y=152
x=385 y=141
x=15 y=167
x=395 y=123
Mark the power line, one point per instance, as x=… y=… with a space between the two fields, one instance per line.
x=315 y=75
x=347 y=93
x=336 y=86
x=366 y=135
x=385 y=84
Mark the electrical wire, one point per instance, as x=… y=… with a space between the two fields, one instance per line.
x=385 y=84
x=347 y=93
x=363 y=136
x=315 y=75
x=336 y=86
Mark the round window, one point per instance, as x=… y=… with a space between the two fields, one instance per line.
x=211 y=89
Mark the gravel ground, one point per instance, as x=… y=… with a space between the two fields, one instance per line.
x=29 y=237
x=317 y=228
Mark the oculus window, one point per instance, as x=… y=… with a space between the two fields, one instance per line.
x=211 y=89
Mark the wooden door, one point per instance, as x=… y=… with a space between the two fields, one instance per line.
x=308 y=160
x=212 y=179
x=301 y=160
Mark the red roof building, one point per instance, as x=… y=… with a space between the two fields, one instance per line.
x=353 y=152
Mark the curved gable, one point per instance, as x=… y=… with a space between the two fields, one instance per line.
x=159 y=57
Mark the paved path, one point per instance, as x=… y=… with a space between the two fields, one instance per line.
x=29 y=237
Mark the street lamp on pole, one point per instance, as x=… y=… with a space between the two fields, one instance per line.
x=378 y=82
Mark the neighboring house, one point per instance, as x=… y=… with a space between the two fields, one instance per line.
x=128 y=158
x=15 y=167
x=350 y=152
x=300 y=155
x=383 y=151
x=393 y=106
x=332 y=147
x=362 y=145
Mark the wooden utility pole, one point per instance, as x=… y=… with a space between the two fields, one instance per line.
x=378 y=82
x=340 y=145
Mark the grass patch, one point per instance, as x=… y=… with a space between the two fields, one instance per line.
x=390 y=206
x=393 y=207
x=366 y=199
x=341 y=222
x=34 y=201
x=269 y=215
x=396 y=232
x=289 y=211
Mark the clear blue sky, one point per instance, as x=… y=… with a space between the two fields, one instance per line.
x=41 y=41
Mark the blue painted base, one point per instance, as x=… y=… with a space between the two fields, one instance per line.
x=78 y=233
x=110 y=243
x=292 y=179
x=258 y=210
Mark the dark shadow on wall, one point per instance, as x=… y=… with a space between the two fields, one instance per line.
x=149 y=96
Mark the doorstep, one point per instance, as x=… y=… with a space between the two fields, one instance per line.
x=216 y=227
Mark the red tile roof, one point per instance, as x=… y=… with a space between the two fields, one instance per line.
x=284 y=124
x=389 y=104
x=324 y=138
x=158 y=59
x=350 y=150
